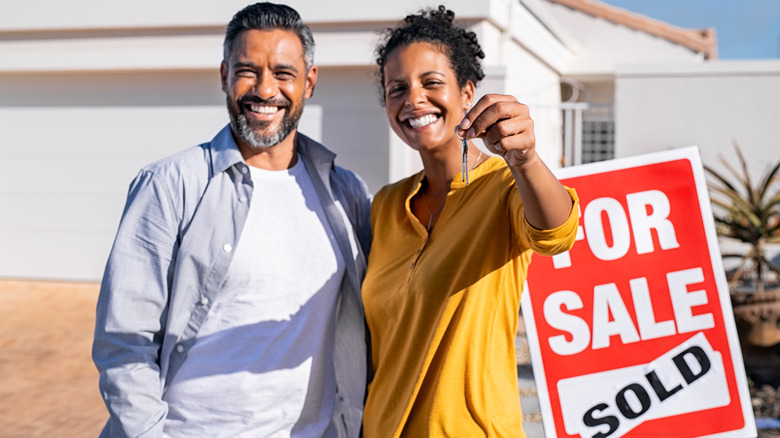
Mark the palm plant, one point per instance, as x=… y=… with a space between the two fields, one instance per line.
x=747 y=213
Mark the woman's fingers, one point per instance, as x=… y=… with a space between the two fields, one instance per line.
x=504 y=124
x=488 y=110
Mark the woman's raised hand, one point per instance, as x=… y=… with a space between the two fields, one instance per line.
x=505 y=125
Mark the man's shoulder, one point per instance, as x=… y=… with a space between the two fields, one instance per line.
x=346 y=175
x=313 y=149
x=320 y=154
x=195 y=161
x=190 y=161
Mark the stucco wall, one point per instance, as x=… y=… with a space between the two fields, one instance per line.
x=708 y=105
x=91 y=91
x=72 y=143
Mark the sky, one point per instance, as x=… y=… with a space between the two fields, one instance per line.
x=745 y=29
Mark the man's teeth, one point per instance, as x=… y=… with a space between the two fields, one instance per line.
x=423 y=121
x=263 y=109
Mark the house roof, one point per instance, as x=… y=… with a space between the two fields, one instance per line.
x=698 y=40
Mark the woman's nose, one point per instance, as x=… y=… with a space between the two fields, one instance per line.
x=415 y=96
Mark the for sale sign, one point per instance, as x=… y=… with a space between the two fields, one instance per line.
x=631 y=332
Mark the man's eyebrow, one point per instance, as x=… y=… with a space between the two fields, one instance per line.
x=290 y=67
x=240 y=64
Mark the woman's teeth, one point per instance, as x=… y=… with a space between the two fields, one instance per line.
x=423 y=121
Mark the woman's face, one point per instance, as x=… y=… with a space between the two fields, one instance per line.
x=422 y=98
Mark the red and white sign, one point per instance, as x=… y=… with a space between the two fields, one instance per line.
x=631 y=332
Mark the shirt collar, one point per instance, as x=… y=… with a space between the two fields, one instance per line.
x=490 y=165
x=224 y=151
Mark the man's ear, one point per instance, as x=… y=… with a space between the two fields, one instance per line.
x=223 y=73
x=311 y=82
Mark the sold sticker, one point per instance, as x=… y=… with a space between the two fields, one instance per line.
x=631 y=331
x=688 y=378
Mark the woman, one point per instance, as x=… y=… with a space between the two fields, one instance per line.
x=449 y=259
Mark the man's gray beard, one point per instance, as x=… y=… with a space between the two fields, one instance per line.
x=241 y=125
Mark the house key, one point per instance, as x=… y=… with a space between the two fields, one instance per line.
x=465 y=165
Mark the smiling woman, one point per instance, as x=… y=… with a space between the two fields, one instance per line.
x=423 y=100
x=448 y=258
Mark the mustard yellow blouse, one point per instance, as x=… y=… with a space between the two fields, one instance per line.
x=442 y=308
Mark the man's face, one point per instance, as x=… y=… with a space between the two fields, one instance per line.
x=266 y=82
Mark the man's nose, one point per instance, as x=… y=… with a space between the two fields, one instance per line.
x=266 y=86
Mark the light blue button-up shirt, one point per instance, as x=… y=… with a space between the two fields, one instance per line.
x=182 y=219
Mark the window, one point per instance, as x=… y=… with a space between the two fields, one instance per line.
x=598 y=134
x=588 y=133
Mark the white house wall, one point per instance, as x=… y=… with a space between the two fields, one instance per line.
x=603 y=45
x=55 y=15
x=538 y=86
x=70 y=145
x=92 y=90
x=352 y=122
x=708 y=105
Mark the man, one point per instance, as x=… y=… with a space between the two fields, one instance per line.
x=230 y=304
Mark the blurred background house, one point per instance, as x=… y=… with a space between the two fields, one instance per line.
x=92 y=90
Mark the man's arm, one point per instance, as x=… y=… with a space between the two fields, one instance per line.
x=132 y=311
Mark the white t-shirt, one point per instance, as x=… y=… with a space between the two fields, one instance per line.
x=261 y=365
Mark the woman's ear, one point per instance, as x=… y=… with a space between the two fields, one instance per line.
x=467 y=94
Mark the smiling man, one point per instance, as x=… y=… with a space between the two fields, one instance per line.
x=230 y=304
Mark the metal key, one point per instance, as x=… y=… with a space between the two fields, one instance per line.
x=465 y=153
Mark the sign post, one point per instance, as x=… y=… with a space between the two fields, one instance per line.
x=631 y=332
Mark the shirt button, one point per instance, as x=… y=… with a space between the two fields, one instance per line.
x=411 y=265
x=244 y=169
x=204 y=301
x=179 y=348
x=228 y=247
x=242 y=199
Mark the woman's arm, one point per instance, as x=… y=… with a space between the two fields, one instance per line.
x=506 y=127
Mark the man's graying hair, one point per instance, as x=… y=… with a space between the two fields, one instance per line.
x=269 y=16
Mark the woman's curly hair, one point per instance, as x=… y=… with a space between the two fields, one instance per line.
x=434 y=26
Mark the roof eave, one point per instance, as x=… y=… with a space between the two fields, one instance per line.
x=702 y=41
